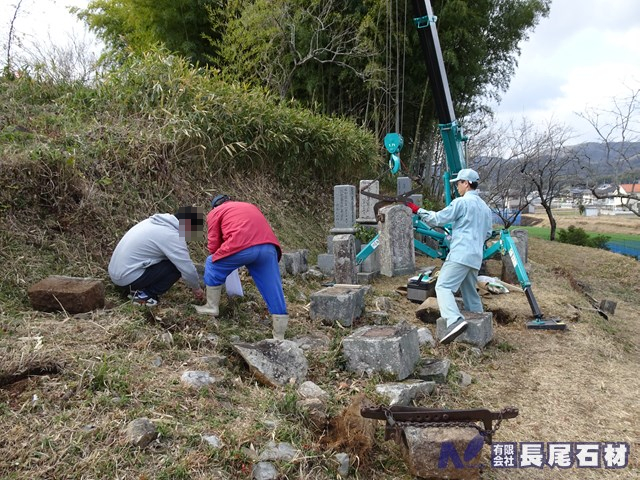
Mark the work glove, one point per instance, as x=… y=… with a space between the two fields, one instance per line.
x=414 y=208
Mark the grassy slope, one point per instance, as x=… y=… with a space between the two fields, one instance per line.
x=122 y=363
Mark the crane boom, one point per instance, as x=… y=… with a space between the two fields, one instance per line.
x=450 y=130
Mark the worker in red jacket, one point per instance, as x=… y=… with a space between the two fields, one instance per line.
x=238 y=235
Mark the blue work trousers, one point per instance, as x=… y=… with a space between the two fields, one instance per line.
x=262 y=263
x=454 y=276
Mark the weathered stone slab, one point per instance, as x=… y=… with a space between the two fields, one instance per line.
x=386 y=349
x=444 y=453
x=403 y=393
x=325 y=263
x=397 y=253
x=344 y=255
x=274 y=362
x=366 y=214
x=403 y=185
x=344 y=209
x=71 y=294
x=340 y=303
x=478 y=333
x=434 y=369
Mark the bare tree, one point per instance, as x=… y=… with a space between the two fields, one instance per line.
x=505 y=188
x=544 y=160
x=618 y=129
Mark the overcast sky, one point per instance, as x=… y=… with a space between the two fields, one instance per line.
x=579 y=57
x=582 y=55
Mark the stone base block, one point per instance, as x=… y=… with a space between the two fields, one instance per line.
x=382 y=349
x=451 y=453
x=71 y=294
x=478 y=333
x=340 y=303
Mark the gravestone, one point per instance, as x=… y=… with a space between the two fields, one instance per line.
x=366 y=214
x=344 y=259
x=403 y=185
x=344 y=209
x=397 y=253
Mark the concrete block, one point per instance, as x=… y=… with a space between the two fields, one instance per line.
x=340 y=303
x=382 y=349
x=72 y=294
x=478 y=333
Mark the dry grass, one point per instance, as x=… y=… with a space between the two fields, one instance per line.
x=580 y=385
x=627 y=224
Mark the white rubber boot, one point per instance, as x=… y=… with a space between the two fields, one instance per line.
x=212 y=307
x=280 y=323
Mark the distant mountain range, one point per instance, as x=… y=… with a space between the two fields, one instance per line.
x=602 y=155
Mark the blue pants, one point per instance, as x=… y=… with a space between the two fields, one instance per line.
x=262 y=263
x=454 y=276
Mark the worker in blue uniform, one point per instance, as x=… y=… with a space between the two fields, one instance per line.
x=471 y=225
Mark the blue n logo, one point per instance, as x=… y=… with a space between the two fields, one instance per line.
x=448 y=452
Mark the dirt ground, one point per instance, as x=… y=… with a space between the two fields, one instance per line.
x=580 y=385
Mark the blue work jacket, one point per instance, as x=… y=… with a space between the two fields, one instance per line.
x=471 y=225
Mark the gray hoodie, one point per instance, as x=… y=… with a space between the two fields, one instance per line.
x=149 y=242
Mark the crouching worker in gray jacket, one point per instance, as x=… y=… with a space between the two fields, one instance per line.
x=153 y=255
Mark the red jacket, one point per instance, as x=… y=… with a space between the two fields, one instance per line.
x=234 y=226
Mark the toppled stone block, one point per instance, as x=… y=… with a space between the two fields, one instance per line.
x=478 y=333
x=428 y=311
x=451 y=453
x=71 y=294
x=274 y=362
x=434 y=369
x=340 y=303
x=294 y=263
x=388 y=349
x=403 y=393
